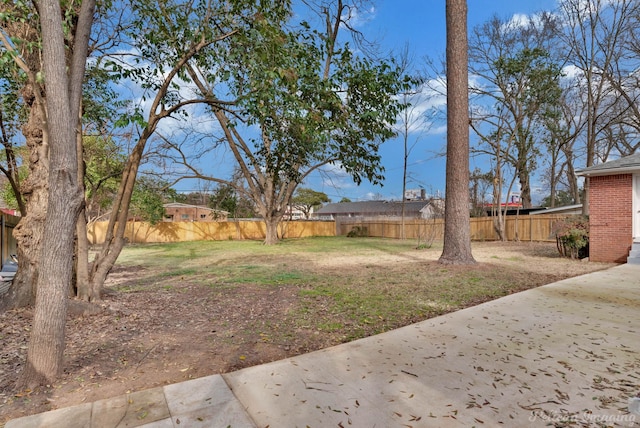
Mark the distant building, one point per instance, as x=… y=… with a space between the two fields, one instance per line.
x=295 y=213
x=176 y=211
x=393 y=209
x=415 y=195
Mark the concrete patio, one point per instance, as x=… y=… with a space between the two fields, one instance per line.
x=564 y=352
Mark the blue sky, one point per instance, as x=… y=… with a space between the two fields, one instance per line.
x=421 y=25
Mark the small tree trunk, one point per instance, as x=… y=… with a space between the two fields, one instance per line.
x=585 y=196
x=499 y=226
x=84 y=291
x=101 y=267
x=114 y=239
x=83 y=287
x=573 y=183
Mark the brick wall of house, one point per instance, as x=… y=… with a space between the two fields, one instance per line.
x=610 y=218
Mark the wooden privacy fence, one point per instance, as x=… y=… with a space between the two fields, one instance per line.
x=143 y=232
x=523 y=228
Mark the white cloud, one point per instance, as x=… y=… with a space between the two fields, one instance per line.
x=571 y=72
x=518 y=20
x=438 y=130
x=355 y=17
x=424 y=103
x=334 y=168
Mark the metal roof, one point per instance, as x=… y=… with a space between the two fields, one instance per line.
x=623 y=165
x=373 y=207
x=567 y=209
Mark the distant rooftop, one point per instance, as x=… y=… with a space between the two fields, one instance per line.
x=373 y=207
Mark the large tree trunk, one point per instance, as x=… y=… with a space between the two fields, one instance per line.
x=271 y=231
x=28 y=232
x=457 y=234
x=46 y=344
x=574 y=188
x=525 y=188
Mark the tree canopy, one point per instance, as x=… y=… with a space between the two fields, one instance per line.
x=307 y=199
x=299 y=101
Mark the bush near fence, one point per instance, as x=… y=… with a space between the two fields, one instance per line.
x=523 y=228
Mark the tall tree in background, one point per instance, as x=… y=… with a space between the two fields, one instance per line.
x=313 y=101
x=594 y=35
x=457 y=234
x=63 y=82
x=412 y=121
x=307 y=199
x=516 y=90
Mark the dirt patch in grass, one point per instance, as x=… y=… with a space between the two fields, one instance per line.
x=225 y=308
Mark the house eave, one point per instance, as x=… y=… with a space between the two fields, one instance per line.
x=609 y=171
x=555 y=210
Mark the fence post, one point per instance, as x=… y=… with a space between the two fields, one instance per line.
x=530 y=228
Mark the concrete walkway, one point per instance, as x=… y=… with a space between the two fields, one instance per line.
x=567 y=352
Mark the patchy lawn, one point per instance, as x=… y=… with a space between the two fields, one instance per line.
x=173 y=312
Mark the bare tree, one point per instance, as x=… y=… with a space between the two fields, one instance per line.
x=479 y=184
x=500 y=150
x=518 y=89
x=457 y=234
x=412 y=121
x=563 y=138
x=594 y=34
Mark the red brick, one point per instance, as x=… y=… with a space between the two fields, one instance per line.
x=610 y=218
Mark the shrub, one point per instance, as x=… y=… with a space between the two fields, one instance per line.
x=572 y=237
x=358 y=232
